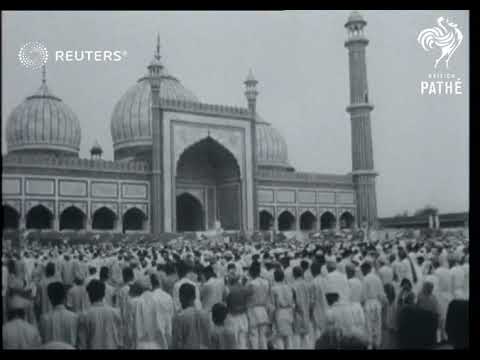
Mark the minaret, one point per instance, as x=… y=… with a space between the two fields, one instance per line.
x=362 y=150
x=251 y=94
x=157 y=205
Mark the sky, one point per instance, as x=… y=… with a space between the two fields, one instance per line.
x=420 y=142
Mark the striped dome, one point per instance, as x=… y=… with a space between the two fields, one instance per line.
x=131 y=119
x=272 y=148
x=43 y=122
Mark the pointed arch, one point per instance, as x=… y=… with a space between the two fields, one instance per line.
x=265 y=220
x=72 y=218
x=39 y=217
x=347 y=220
x=134 y=219
x=11 y=217
x=286 y=221
x=327 y=221
x=307 y=221
x=104 y=219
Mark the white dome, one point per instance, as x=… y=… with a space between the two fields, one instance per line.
x=43 y=122
x=272 y=150
x=132 y=115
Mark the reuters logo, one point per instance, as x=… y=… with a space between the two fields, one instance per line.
x=33 y=55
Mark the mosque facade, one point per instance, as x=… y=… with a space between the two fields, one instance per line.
x=181 y=164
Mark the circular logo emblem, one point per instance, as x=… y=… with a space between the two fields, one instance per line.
x=33 y=55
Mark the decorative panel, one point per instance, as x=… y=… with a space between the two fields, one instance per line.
x=265 y=196
x=104 y=189
x=72 y=188
x=306 y=197
x=345 y=197
x=326 y=197
x=286 y=196
x=40 y=187
x=134 y=191
x=12 y=186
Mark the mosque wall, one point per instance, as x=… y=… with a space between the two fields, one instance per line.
x=24 y=191
x=299 y=200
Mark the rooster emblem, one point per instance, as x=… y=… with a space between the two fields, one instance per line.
x=446 y=36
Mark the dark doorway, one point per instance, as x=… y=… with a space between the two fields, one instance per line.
x=266 y=220
x=286 y=221
x=72 y=218
x=190 y=215
x=346 y=220
x=327 y=221
x=209 y=163
x=103 y=219
x=307 y=221
x=10 y=217
x=133 y=219
x=39 y=217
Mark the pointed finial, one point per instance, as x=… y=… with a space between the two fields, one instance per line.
x=157 y=52
x=44 y=74
x=250 y=77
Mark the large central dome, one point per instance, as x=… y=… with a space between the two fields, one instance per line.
x=131 y=123
x=132 y=115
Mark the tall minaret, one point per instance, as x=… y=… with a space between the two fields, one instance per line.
x=157 y=206
x=251 y=94
x=362 y=150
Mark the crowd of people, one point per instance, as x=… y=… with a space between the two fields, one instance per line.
x=359 y=294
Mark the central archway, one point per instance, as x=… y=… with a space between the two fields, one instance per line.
x=209 y=167
x=190 y=215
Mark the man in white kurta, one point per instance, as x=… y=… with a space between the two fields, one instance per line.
x=59 y=324
x=445 y=296
x=164 y=312
x=18 y=333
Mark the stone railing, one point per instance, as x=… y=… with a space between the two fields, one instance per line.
x=311 y=178
x=209 y=109
x=73 y=163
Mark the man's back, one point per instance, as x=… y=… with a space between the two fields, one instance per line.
x=59 y=324
x=99 y=328
x=77 y=299
x=222 y=338
x=212 y=292
x=237 y=299
x=19 y=334
x=191 y=329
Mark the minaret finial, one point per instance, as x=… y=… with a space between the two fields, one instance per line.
x=157 y=52
x=44 y=74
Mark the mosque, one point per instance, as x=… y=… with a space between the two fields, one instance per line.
x=180 y=164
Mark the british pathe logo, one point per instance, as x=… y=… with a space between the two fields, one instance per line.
x=33 y=55
x=447 y=37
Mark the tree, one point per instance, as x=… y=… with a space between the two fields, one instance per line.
x=427 y=211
